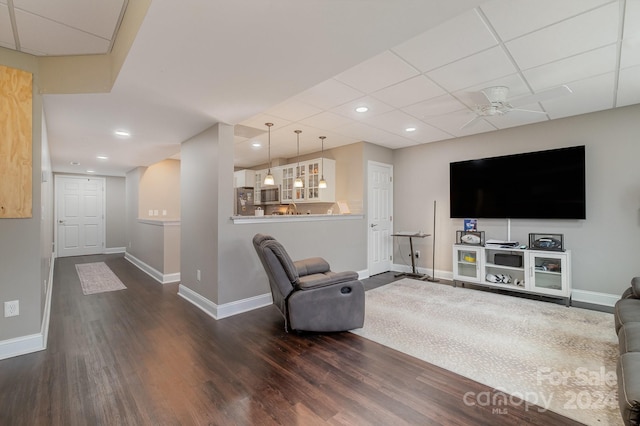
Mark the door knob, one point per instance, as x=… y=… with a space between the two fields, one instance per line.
x=374 y=225
x=61 y=221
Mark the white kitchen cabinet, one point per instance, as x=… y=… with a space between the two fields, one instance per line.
x=310 y=172
x=244 y=178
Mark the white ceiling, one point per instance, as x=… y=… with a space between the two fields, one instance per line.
x=307 y=65
x=60 y=27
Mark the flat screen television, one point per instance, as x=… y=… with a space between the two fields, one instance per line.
x=535 y=185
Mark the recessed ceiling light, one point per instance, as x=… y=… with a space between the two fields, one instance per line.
x=362 y=109
x=410 y=129
x=102 y=157
x=74 y=163
x=91 y=171
x=123 y=133
x=256 y=144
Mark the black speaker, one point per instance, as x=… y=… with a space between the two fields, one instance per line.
x=505 y=259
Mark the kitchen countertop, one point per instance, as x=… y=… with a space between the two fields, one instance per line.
x=294 y=218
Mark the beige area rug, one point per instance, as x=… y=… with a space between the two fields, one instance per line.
x=561 y=359
x=98 y=278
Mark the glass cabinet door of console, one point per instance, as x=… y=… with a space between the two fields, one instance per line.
x=467 y=261
x=547 y=273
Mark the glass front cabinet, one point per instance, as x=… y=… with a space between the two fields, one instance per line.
x=549 y=273
x=466 y=263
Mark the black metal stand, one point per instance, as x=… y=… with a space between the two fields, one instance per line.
x=413 y=273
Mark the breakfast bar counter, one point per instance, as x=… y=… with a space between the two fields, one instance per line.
x=294 y=218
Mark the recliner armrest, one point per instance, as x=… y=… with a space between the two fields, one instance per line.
x=312 y=265
x=323 y=280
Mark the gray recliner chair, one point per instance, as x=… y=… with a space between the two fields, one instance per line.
x=309 y=295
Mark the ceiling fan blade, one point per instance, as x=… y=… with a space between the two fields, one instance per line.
x=527 y=110
x=471 y=122
x=542 y=96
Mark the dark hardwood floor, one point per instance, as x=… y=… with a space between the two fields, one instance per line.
x=144 y=356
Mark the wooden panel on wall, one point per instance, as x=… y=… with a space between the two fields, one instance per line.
x=15 y=143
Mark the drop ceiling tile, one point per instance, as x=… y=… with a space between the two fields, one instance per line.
x=485 y=66
x=588 y=31
x=589 y=95
x=377 y=73
x=6 y=33
x=511 y=19
x=452 y=123
x=99 y=18
x=630 y=54
x=632 y=19
x=397 y=121
x=629 y=87
x=455 y=39
x=329 y=94
x=60 y=40
x=326 y=120
x=366 y=133
x=434 y=107
x=579 y=67
x=375 y=106
x=517 y=118
x=293 y=110
x=257 y=122
x=409 y=92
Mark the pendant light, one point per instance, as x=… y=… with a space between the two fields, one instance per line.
x=298 y=182
x=323 y=183
x=268 y=179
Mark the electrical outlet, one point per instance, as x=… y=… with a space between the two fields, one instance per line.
x=12 y=308
x=417 y=254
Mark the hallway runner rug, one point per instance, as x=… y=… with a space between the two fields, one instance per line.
x=556 y=357
x=96 y=277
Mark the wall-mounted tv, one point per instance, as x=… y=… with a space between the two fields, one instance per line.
x=535 y=185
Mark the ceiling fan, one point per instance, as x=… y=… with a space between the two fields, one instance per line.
x=499 y=104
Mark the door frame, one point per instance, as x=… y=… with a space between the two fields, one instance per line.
x=369 y=205
x=57 y=179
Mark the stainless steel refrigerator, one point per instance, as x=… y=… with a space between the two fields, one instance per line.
x=244 y=201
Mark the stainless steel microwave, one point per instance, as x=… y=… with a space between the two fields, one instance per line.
x=270 y=195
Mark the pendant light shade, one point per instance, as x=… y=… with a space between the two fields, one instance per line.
x=298 y=182
x=268 y=179
x=323 y=183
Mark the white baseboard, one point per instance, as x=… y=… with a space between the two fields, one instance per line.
x=152 y=272
x=594 y=298
x=227 y=309
x=115 y=250
x=34 y=342
x=442 y=275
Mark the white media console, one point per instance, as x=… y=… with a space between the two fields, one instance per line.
x=541 y=272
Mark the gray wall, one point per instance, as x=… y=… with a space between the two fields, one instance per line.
x=26 y=244
x=605 y=247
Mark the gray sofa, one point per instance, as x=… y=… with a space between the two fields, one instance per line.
x=627 y=321
x=309 y=295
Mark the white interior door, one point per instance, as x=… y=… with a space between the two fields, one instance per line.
x=380 y=209
x=79 y=215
